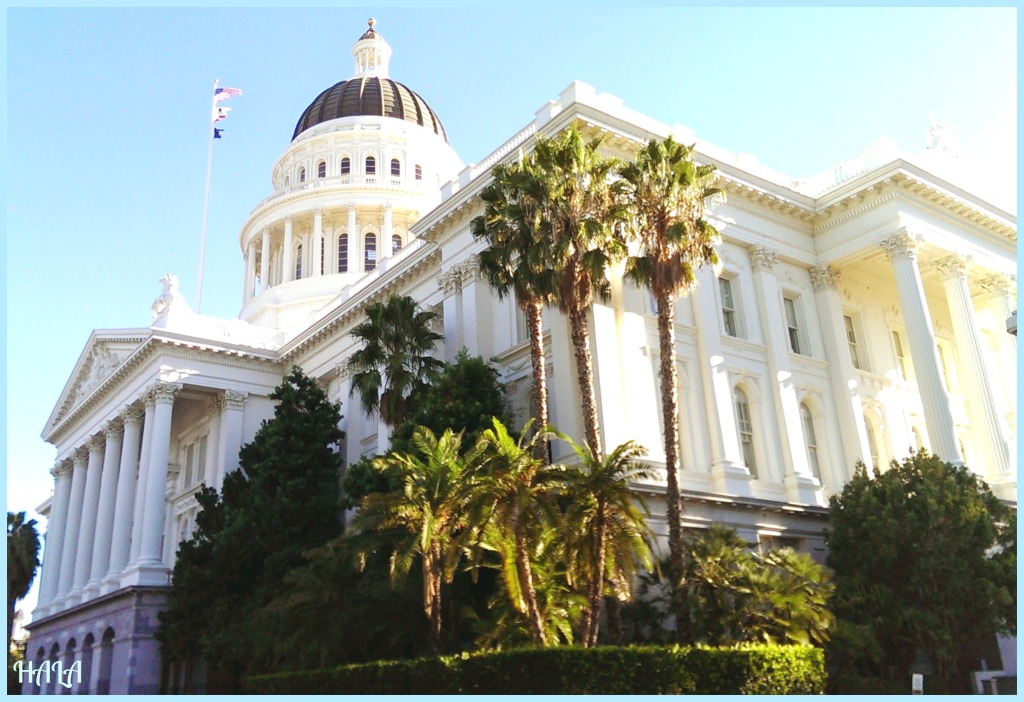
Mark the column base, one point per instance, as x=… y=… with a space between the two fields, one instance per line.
x=92 y=589
x=804 y=489
x=730 y=479
x=111 y=582
x=146 y=574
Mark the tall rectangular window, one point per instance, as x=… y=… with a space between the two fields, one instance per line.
x=901 y=362
x=343 y=253
x=792 y=324
x=851 y=339
x=728 y=307
x=746 y=431
x=945 y=367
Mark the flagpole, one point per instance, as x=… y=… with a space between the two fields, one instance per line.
x=206 y=199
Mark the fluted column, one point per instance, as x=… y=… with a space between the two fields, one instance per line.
x=156 y=480
x=849 y=410
x=113 y=433
x=288 y=253
x=902 y=251
x=72 y=527
x=1001 y=289
x=728 y=473
x=801 y=484
x=140 y=480
x=265 y=260
x=316 y=250
x=250 y=271
x=230 y=435
x=55 y=535
x=90 y=508
x=124 y=504
x=979 y=387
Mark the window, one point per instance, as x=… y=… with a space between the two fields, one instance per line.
x=811 y=439
x=371 y=165
x=286 y=181
x=302 y=175
x=728 y=307
x=195 y=463
x=321 y=170
x=370 y=252
x=746 y=431
x=323 y=254
x=396 y=167
x=343 y=253
x=851 y=339
x=945 y=367
x=792 y=324
x=396 y=243
x=346 y=166
x=873 y=447
x=419 y=172
x=901 y=363
x=298 y=262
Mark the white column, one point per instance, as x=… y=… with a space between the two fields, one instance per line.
x=849 y=410
x=156 y=481
x=124 y=504
x=113 y=433
x=985 y=417
x=477 y=330
x=999 y=286
x=801 y=485
x=288 y=253
x=355 y=251
x=72 y=528
x=265 y=260
x=449 y=284
x=140 y=479
x=90 y=508
x=902 y=251
x=230 y=438
x=316 y=250
x=250 y=271
x=330 y=249
x=727 y=471
x=55 y=535
x=387 y=230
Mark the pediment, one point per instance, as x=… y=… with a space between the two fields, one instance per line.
x=103 y=354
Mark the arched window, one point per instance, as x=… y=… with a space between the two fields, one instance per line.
x=40 y=657
x=106 y=664
x=298 y=262
x=419 y=172
x=343 y=253
x=370 y=252
x=87 y=645
x=745 y=427
x=876 y=456
x=396 y=167
x=396 y=243
x=811 y=439
x=286 y=181
x=69 y=660
x=302 y=175
x=346 y=166
x=321 y=170
x=51 y=684
x=371 y=165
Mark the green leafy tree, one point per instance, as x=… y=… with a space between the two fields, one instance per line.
x=395 y=360
x=22 y=562
x=282 y=502
x=608 y=541
x=665 y=195
x=517 y=259
x=925 y=561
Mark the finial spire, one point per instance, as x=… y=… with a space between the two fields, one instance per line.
x=371 y=53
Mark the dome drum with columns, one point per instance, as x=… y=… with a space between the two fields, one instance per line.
x=857 y=315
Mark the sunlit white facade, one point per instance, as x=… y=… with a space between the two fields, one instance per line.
x=857 y=314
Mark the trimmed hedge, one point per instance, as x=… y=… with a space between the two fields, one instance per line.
x=608 y=670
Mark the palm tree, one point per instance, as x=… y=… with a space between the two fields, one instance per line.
x=609 y=540
x=395 y=359
x=577 y=204
x=22 y=561
x=425 y=515
x=515 y=259
x=512 y=507
x=665 y=194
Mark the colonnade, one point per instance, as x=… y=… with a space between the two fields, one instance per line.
x=108 y=513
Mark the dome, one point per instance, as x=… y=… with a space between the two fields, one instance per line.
x=372 y=96
x=370 y=93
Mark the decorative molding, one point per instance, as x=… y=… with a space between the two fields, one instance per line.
x=762 y=258
x=62 y=468
x=113 y=428
x=132 y=414
x=902 y=244
x=824 y=277
x=96 y=443
x=953 y=267
x=999 y=285
x=233 y=400
x=450 y=281
x=164 y=392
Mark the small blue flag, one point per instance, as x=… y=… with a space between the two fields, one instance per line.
x=217 y=133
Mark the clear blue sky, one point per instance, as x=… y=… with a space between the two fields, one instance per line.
x=108 y=117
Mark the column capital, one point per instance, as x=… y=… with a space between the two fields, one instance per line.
x=113 y=428
x=448 y=281
x=762 y=258
x=318 y=212
x=97 y=442
x=901 y=244
x=62 y=468
x=824 y=277
x=233 y=399
x=162 y=392
x=999 y=284
x=288 y=219
x=80 y=456
x=953 y=267
x=132 y=414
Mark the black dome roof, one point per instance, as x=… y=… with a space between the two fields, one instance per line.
x=369 y=96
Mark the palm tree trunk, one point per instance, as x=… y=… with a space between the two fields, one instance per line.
x=668 y=377
x=432 y=598
x=536 y=620
x=614 y=608
x=580 y=331
x=535 y=321
x=595 y=588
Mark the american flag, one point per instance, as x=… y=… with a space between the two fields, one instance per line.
x=224 y=93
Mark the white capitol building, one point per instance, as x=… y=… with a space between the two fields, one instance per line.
x=857 y=314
